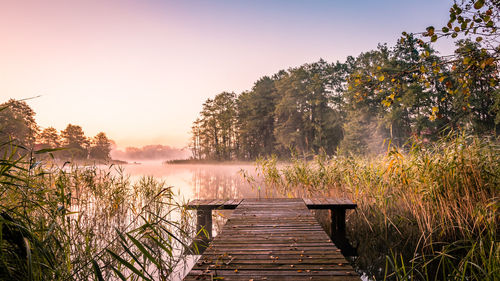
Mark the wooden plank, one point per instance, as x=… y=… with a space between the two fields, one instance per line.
x=329 y=203
x=308 y=201
x=214 y=204
x=272 y=239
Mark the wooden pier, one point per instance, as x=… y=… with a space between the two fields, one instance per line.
x=272 y=239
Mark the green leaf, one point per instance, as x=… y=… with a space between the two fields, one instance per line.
x=445 y=29
x=97 y=271
x=479 y=4
x=119 y=274
x=434 y=38
x=128 y=265
x=47 y=150
x=479 y=39
x=143 y=250
x=430 y=30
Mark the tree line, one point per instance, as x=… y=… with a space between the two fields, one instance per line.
x=18 y=126
x=387 y=94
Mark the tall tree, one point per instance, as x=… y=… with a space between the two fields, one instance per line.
x=100 y=147
x=195 y=144
x=17 y=123
x=475 y=99
x=216 y=128
x=256 y=119
x=75 y=142
x=49 y=138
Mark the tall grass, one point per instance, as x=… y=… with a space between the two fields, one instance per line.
x=428 y=213
x=81 y=223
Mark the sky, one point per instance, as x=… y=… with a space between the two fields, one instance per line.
x=140 y=70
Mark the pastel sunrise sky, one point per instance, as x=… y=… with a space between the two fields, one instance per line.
x=140 y=70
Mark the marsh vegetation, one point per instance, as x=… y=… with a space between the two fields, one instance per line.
x=429 y=213
x=79 y=223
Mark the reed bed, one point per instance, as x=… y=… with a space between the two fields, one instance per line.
x=83 y=223
x=429 y=212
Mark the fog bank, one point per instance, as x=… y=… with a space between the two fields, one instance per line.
x=151 y=152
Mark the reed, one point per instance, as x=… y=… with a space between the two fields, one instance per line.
x=79 y=223
x=429 y=212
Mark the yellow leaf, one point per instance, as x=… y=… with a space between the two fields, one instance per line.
x=489 y=61
x=441 y=79
x=381 y=78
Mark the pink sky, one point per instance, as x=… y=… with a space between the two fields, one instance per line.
x=140 y=70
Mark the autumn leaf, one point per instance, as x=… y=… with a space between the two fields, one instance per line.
x=479 y=4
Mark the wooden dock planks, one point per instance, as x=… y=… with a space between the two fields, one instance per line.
x=225 y=204
x=272 y=239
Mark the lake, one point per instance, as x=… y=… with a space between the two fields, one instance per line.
x=200 y=181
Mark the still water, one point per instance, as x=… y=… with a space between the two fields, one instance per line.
x=203 y=181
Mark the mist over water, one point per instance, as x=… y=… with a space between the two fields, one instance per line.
x=150 y=152
x=200 y=181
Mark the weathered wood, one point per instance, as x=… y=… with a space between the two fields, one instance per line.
x=338 y=222
x=223 y=204
x=329 y=203
x=204 y=224
x=271 y=239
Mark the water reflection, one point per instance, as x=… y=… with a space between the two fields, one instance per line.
x=200 y=181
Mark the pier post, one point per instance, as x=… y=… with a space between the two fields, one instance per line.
x=204 y=222
x=338 y=223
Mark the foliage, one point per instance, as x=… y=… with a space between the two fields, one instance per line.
x=214 y=134
x=101 y=147
x=473 y=18
x=73 y=223
x=255 y=119
x=75 y=142
x=459 y=89
x=49 y=138
x=428 y=214
x=17 y=122
x=388 y=94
